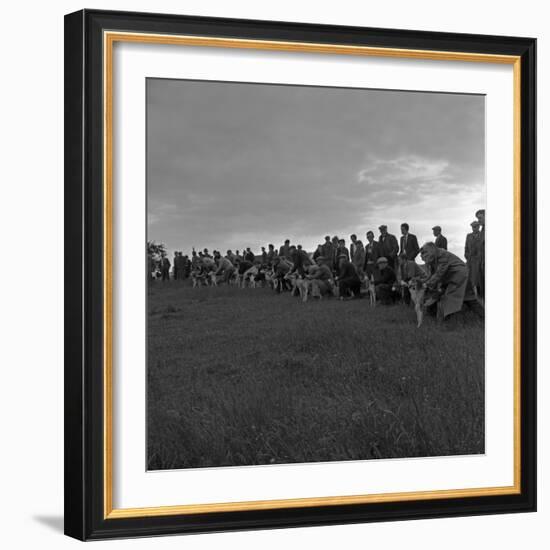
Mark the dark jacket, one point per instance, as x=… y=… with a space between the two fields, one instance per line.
x=327 y=250
x=441 y=242
x=410 y=249
x=388 y=246
x=284 y=251
x=384 y=276
x=300 y=259
x=347 y=272
x=249 y=256
x=341 y=250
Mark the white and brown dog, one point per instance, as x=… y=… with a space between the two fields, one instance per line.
x=299 y=284
x=418 y=294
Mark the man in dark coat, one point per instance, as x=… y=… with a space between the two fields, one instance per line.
x=440 y=240
x=353 y=246
x=165 y=269
x=409 y=244
x=284 y=251
x=342 y=250
x=372 y=253
x=480 y=215
x=249 y=256
x=271 y=254
x=384 y=280
x=327 y=251
x=348 y=279
x=473 y=252
x=176 y=266
x=388 y=245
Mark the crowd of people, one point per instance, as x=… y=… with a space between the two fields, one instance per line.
x=387 y=264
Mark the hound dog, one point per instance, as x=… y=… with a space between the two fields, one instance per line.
x=299 y=284
x=198 y=277
x=371 y=291
x=213 y=278
x=248 y=276
x=418 y=295
x=422 y=298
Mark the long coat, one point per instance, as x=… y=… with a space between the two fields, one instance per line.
x=474 y=254
x=449 y=273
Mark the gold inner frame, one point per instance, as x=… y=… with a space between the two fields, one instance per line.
x=109 y=39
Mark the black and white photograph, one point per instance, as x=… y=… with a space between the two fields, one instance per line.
x=316 y=268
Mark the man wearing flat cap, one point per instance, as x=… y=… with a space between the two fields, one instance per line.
x=388 y=245
x=440 y=240
x=473 y=252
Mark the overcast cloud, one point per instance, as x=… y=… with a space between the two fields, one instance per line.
x=231 y=165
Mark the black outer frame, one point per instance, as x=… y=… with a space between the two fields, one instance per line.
x=84 y=274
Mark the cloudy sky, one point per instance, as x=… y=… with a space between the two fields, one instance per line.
x=231 y=165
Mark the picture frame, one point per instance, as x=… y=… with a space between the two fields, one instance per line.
x=90 y=158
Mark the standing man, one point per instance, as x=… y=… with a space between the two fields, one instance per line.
x=264 y=256
x=327 y=251
x=480 y=215
x=358 y=257
x=372 y=253
x=335 y=241
x=353 y=246
x=271 y=254
x=473 y=252
x=165 y=269
x=176 y=265
x=284 y=251
x=440 y=240
x=150 y=267
x=389 y=247
x=409 y=244
x=249 y=256
x=341 y=250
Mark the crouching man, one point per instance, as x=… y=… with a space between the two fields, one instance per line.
x=384 y=281
x=348 y=279
x=321 y=278
x=225 y=269
x=448 y=275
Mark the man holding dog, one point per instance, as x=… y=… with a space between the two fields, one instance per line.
x=447 y=275
x=321 y=278
x=225 y=268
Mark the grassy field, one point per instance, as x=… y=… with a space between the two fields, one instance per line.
x=240 y=377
